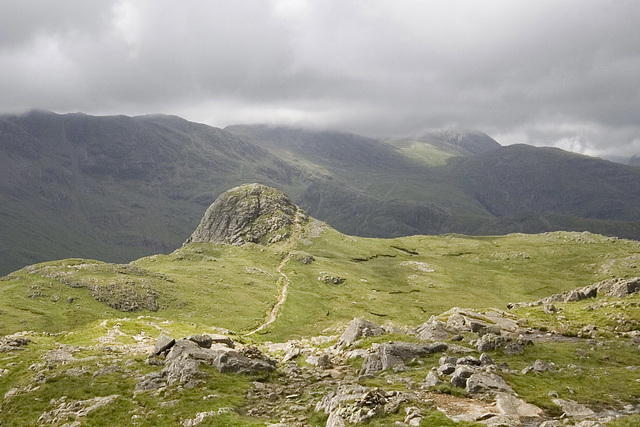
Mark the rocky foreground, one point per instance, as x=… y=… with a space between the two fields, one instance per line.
x=462 y=363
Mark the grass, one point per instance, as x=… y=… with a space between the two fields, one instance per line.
x=201 y=288
x=235 y=287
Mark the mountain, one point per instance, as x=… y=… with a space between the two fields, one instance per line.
x=314 y=328
x=114 y=188
x=117 y=188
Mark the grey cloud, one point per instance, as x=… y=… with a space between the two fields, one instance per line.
x=542 y=72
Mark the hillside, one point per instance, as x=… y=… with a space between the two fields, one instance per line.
x=118 y=188
x=98 y=350
x=114 y=188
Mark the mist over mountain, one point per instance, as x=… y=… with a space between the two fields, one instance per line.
x=117 y=187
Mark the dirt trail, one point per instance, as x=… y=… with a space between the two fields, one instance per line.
x=273 y=314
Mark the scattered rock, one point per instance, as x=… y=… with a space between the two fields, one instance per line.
x=13 y=342
x=359 y=328
x=513 y=348
x=539 y=366
x=389 y=355
x=491 y=342
x=573 y=409
x=71 y=411
x=329 y=279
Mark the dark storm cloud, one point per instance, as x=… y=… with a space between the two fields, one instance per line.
x=543 y=72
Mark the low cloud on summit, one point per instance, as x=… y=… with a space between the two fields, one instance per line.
x=541 y=72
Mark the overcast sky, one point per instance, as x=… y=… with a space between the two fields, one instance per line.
x=543 y=72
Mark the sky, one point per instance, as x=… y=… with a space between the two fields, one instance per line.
x=562 y=73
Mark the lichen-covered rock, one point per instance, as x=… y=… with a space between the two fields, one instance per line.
x=248 y=213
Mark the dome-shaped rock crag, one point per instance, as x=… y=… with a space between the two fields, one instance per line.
x=248 y=213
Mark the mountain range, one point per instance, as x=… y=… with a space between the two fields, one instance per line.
x=117 y=188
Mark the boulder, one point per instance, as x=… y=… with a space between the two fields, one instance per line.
x=516 y=408
x=573 y=409
x=183 y=361
x=388 y=355
x=461 y=375
x=619 y=288
x=359 y=328
x=491 y=342
x=446 y=369
x=433 y=330
x=468 y=360
x=432 y=379
x=486 y=382
x=539 y=366
x=513 y=348
x=203 y=341
x=163 y=343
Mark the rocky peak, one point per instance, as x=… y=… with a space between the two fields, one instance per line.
x=248 y=213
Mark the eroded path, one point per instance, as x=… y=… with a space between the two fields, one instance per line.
x=284 y=279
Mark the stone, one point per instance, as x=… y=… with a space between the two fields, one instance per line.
x=486 y=360
x=335 y=420
x=539 y=366
x=490 y=342
x=573 y=409
x=388 y=355
x=12 y=342
x=513 y=348
x=222 y=339
x=70 y=411
x=359 y=328
x=468 y=360
x=433 y=330
x=486 y=382
x=432 y=379
x=203 y=341
x=460 y=376
x=324 y=362
x=446 y=369
x=163 y=343
x=330 y=279
x=184 y=358
x=444 y=360
x=514 y=407
x=619 y=288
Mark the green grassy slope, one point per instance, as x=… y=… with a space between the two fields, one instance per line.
x=386 y=279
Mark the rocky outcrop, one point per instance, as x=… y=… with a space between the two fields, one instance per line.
x=356 y=404
x=394 y=354
x=616 y=288
x=72 y=410
x=183 y=358
x=13 y=342
x=249 y=213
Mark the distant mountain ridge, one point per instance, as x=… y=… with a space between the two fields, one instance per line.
x=116 y=188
